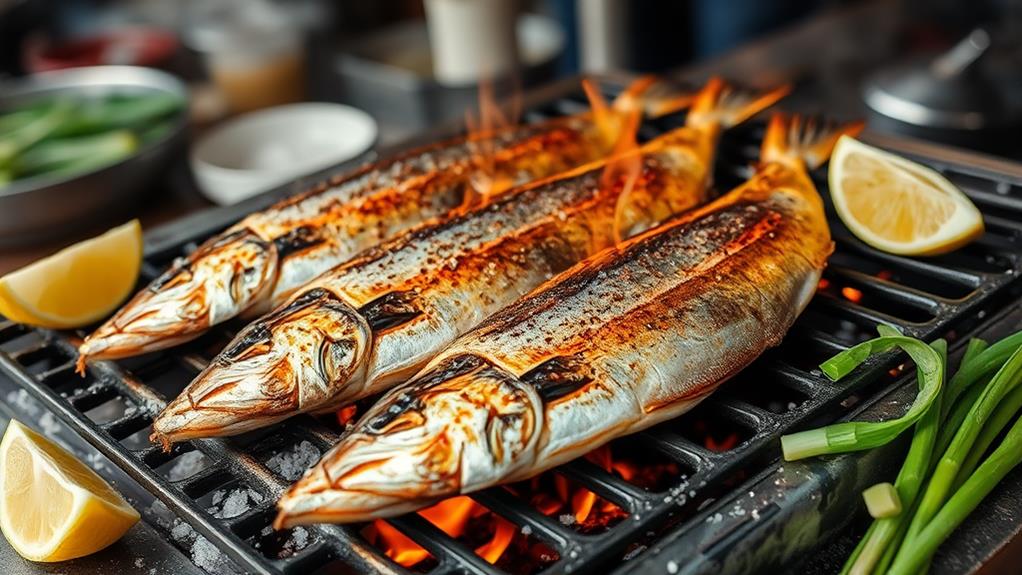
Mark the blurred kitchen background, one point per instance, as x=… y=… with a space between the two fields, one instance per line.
x=945 y=70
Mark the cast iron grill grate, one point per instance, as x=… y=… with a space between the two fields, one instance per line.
x=731 y=436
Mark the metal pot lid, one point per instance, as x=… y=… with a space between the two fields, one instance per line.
x=948 y=92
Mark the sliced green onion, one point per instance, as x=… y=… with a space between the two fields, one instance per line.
x=19 y=139
x=75 y=154
x=882 y=501
x=913 y=557
x=856 y=436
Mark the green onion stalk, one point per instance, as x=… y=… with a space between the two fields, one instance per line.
x=964 y=440
x=1006 y=457
x=1001 y=418
x=987 y=362
x=857 y=436
x=886 y=533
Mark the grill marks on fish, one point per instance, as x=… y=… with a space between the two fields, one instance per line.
x=298 y=239
x=390 y=310
x=460 y=247
x=181 y=271
x=594 y=302
x=410 y=398
x=559 y=376
x=259 y=333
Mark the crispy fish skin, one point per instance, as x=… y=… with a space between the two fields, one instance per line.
x=263 y=258
x=376 y=320
x=633 y=336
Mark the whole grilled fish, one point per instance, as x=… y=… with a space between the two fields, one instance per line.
x=633 y=336
x=375 y=320
x=263 y=258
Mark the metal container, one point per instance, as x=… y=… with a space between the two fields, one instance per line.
x=43 y=207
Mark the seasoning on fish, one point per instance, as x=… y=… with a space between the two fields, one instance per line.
x=633 y=336
x=261 y=260
x=375 y=320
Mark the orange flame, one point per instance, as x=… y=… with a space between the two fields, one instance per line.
x=452 y=517
x=346 y=414
x=625 y=166
x=481 y=130
x=603 y=117
x=502 y=537
x=585 y=507
x=461 y=517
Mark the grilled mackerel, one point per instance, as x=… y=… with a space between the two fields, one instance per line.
x=633 y=336
x=263 y=258
x=374 y=321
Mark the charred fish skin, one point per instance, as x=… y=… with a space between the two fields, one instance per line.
x=418 y=292
x=301 y=237
x=626 y=339
x=401 y=302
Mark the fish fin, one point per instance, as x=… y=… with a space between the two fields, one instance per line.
x=619 y=122
x=798 y=139
x=664 y=98
x=720 y=103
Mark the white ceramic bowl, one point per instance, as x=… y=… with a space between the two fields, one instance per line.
x=264 y=149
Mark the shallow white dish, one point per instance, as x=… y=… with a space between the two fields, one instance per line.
x=264 y=149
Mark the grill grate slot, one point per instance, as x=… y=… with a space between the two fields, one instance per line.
x=699 y=456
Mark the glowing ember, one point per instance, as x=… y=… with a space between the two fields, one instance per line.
x=552 y=494
x=728 y=443
x=824 y=284
x=556 y=496
x=492 y=551
x=346 y=415
x=452 y=516
x=885 y=274
x=896 y=371
x=851 y=294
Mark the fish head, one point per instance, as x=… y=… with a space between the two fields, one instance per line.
x=461 y=426
x=308 y=354
x=221 y=279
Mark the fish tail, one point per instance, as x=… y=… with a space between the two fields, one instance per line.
x=803 y=140
x=724 y=105
x=631 y=99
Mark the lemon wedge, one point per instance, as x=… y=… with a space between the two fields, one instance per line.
x=78 y=285
x=53 y=507
x=897 y=205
